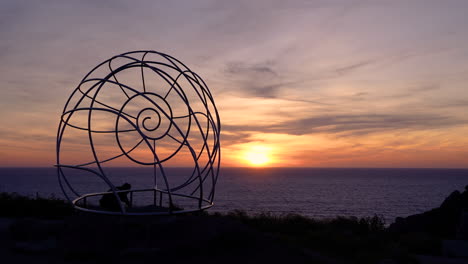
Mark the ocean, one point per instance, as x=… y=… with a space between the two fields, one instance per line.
x=312 y=192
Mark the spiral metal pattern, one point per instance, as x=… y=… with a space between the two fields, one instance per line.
x=152 y=108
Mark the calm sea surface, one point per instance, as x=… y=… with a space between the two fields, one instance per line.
x=311 y=192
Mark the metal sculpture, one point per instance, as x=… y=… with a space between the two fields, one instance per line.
x=145 y=108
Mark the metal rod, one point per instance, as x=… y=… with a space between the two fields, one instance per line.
x=160 y=199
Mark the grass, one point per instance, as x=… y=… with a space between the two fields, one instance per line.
x=359 y=240
x=347 y=239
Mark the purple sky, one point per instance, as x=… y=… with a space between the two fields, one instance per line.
x=331 y=83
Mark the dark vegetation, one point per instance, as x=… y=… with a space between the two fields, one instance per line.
x=15 y=205
x=49 y=229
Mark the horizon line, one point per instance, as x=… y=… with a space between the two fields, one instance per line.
x=244 y=167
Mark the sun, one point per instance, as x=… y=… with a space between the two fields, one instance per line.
x=258 y=156
x=257 y=159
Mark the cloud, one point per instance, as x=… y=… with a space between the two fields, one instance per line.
x=426 y=88
x=353 y=125
x=453 y=103
x=243 y=68
x=353 y=67
x=229 y=138
x=259 y=80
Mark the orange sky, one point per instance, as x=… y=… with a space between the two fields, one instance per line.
x=308 y=84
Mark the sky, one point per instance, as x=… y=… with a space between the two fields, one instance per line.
x=297 y=83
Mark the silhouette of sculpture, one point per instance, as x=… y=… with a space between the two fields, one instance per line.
x=144 y=109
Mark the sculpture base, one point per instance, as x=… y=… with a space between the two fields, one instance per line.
x=156 y=208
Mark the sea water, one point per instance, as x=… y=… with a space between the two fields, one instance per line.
x=312 y=192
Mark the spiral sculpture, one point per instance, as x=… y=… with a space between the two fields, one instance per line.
x=144 y=109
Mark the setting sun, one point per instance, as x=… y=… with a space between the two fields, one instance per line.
x=258 y=156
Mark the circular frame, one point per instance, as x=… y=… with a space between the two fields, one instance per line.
x=184 y=131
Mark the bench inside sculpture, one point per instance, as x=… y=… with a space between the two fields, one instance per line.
x=160 y=203
x=141 y=109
